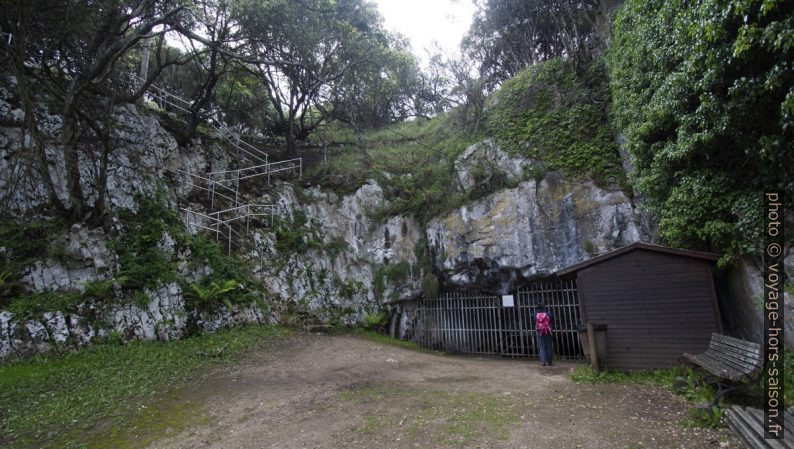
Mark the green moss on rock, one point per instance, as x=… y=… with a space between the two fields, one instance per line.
x=551 y=113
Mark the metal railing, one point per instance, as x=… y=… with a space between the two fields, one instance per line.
x=163 y=97
x=221 y=223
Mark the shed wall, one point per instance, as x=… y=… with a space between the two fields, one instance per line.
x=656 y=306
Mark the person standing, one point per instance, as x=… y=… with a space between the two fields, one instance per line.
x=543 y=331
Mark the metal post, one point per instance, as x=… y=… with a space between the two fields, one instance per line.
x=212 y=191
x=237 y=189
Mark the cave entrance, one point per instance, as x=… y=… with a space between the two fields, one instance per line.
x=474 y=323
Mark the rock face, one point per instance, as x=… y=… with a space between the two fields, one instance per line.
x=163 y=318
x=741 y=295
x=344 y=275
x=528 y=231
x=85 y=258
x=482 y=161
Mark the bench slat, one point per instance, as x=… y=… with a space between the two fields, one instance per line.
x=715 y=367
x=735 y=342
x=746 y=365
x=752 y=353
x=729 y=358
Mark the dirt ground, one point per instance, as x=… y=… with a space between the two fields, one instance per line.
x=321 y=391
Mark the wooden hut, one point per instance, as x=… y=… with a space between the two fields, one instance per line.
x=657 y=303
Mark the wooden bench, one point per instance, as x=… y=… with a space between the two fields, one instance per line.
x=748 y=424
x=735 y=363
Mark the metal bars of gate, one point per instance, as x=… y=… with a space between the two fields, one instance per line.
x=472 y=323
x=562 y=300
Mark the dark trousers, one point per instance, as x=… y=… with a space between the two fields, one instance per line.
x=545 y=347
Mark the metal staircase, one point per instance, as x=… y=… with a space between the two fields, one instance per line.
x=229 y=218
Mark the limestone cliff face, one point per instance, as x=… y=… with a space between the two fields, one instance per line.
x=528 y=231
x=344 y=273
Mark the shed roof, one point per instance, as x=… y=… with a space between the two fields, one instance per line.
x=638 y=245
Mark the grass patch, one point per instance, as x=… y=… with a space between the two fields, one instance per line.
x=684 y=381
x=663 y=377
x=54 y=402
x=433 y=418
x=33 y=305
x=385 y=339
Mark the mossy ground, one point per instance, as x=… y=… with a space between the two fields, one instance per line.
x=448 y=419
x=110 y=395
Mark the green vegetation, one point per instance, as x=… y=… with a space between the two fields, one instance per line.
x=375 y=321
x=23 y=242
x=412 y=162
x=32 y=305
x=451 y=419
x=101 y=396
x=101 y=290
x=552 y=113
x=663 y=377
x=703 y=93
x=215 y=293
x=393 y=272
x=144 y=265
x=681 y=380
x=694 y=386
x=430 y=286
x=549 y=112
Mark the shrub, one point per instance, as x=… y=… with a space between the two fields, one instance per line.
x=375 y=321
x=702 y=93
x=102 y=290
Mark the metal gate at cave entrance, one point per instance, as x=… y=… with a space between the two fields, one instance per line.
x=473 y=323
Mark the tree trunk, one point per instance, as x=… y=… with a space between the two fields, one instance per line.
x=71 y=158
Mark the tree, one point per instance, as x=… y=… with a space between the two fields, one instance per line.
x=704 y=93
x=456 y=85
x=507 y=36
x=382 y=89
x=69 y=49
x=301 y=48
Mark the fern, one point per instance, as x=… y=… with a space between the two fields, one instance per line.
x=213 y=294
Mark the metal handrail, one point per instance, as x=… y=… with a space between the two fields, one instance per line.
x=215 y=222
x=223 y=131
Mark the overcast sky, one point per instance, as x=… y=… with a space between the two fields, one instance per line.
x=426 y=21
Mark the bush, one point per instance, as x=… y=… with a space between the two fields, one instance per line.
x=375 y=321
x=101 y=290
x=703 y=94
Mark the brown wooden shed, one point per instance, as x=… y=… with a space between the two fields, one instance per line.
x=657 y=303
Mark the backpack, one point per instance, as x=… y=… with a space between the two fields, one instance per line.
x=543 y=323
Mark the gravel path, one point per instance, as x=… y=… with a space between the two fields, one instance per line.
x=320 y=391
